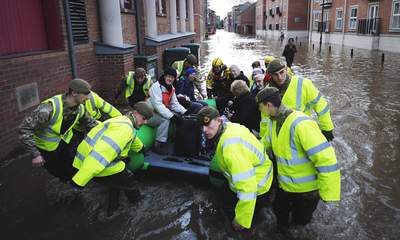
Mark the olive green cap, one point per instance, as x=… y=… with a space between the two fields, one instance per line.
x=206 y=114
x=79 y=86
x=265 y=94
x=191 y=59
x=275 y=66
x=144 y=109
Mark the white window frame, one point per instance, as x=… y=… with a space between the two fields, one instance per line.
x=353 y=19
x=339 y=19
x=393 y=15
x=316 y=20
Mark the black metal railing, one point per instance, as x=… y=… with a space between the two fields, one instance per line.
x=369 y=26
x=323 y=26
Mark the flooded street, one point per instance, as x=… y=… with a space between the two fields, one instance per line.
x=365 y=107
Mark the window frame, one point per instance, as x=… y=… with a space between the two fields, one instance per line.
x=393 y=15
x=161 y=8
x=339 y=19
x=316 y=19
x=351 y=19
x=125 y=9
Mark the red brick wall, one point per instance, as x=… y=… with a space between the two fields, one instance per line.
x=128 y=22
x=297 y=9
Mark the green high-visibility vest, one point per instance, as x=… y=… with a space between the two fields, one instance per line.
x=96 y=105
x=244 y=163
x=100 y=153
x=130 y=84
x=306 y=160
x=49 y=138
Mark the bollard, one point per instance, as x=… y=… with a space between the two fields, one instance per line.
x=313 y=46
x=383 y=58
x=300 y=43
x=351 y=53
x=330 y=48
x=296 y=38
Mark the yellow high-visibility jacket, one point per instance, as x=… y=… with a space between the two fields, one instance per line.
x=100 y=153
x=49 y=138
x=244 y=163
x=97 y=106
x=302 y=95
x=306 y=160
x=130 y=84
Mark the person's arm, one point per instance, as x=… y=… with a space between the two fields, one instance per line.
x=157 y=103
x=244 y=181
x=176 y=106
x=87 y=122
x=323 y=157
x=37 y=120
x=105 y=107
x=105 y=150
x=319 y=104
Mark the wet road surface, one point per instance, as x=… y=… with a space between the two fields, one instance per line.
x=365 y=107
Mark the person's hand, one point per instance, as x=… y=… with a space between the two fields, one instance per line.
x=329 y=135
x=177 y=119
x=237 y=226
x=38 y=161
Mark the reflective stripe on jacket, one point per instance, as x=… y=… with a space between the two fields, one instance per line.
x=247 y=168
x=100 y=153
x=302 y=95
x=306 y=161
x=49 y=138
x=130 y=84
x=96 y=105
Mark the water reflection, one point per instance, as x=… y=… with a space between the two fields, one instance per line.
x=365 y=106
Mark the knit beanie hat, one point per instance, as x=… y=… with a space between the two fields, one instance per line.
x=79 y=86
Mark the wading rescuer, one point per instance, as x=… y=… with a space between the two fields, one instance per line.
x=102 y=153
x=243 y=162
x=47 y=135
x=306 y=161
x=300 y=94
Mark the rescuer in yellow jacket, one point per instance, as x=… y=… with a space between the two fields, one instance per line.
x=135 y=86
x=46 y=133
x=306 y=161
x=299 y=94
x=243 y=162
x=102 y=153
x=99 y=109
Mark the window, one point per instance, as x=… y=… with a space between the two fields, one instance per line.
x=316 y=19
x=339 y=19
x=276 y=26
x=127 y=6
x=396 y=15
x=161 y=9
x=353 y=18
x=28 y=26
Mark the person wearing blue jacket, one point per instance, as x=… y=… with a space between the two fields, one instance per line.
x=185 y=91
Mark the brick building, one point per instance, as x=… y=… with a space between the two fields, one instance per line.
x=39 y=53
x=371 y=24
x=289 y=17
x=246 y=20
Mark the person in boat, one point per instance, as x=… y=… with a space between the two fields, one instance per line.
x=47 y=132
x=300 y=94
x=243 y=162
x=307 y=169
x=185 y=91
x=216 y=79
x=244 y=108
x=258 y=85
x=237 y=74
x=190 y=62
x=167 y=108
x=103 y=152
x=135 y=86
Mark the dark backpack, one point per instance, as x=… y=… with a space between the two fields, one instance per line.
x=188 y=137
